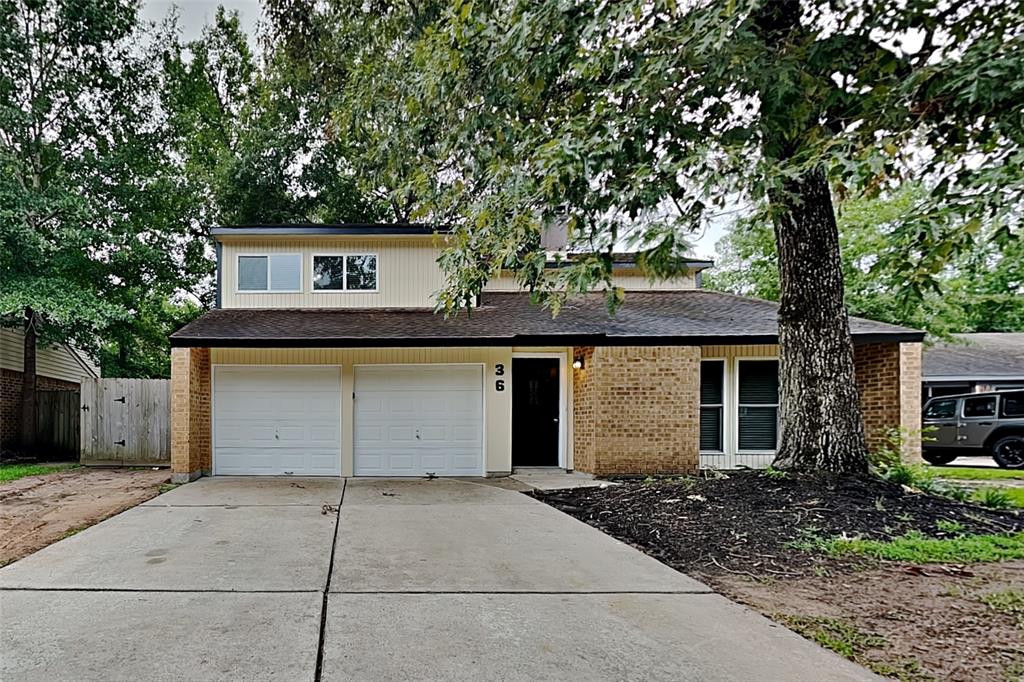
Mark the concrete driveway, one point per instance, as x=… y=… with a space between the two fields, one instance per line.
x=252 y=579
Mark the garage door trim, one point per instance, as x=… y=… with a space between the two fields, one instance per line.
x=213 y=404
x=483 y=400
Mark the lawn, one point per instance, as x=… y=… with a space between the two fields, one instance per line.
x=975 y=474
x=879 y=572
x=12 y=472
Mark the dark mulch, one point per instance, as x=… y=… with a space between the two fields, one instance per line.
x=747 y=521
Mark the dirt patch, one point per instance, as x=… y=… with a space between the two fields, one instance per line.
x=36 y=511
x=932 y=627
x=738 y=535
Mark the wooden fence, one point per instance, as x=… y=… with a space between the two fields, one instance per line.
x=57 y=424
x=126 y=422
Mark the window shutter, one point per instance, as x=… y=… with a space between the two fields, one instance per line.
x=252 y=273
x=285 y=272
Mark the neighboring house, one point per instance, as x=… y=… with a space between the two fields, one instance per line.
x=974 y=363
x=325 y=357
x=57 y=367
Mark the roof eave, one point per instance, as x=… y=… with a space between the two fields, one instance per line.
x=600 y=339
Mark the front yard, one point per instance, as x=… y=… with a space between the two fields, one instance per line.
x=911 y=585
x=41 y=504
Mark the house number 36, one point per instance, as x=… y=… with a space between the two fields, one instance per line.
x=499 y=371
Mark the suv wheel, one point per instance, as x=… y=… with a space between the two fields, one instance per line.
x=1008 y=452
x=938 y=458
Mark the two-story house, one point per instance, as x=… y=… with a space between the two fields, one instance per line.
x=325 y=357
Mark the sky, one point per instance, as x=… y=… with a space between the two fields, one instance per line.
x=194 y=14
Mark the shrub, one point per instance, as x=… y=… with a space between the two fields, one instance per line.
x=994 y=498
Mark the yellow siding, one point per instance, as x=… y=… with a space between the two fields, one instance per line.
x=752 y=351
x=630 y=281
x=56 y=362
x=408 y=275
x=497 y=404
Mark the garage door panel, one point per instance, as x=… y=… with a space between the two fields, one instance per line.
x=277 y=420
x=413 y=420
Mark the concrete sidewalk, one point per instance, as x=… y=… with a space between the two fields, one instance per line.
x=443 y=580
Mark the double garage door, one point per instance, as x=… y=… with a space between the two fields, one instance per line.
x=407 y=420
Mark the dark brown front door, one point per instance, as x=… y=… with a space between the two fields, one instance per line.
x=535 y=412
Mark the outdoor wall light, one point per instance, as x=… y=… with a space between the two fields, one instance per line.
x=577 y=362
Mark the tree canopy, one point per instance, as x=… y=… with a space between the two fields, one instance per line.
x=978 y=290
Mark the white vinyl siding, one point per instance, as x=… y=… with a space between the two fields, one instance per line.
x=407 y=272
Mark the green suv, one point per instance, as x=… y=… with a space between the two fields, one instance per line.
x=975 y=424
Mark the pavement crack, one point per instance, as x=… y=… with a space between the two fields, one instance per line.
x=327 y=585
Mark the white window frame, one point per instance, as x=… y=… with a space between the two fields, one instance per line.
x=735 y=430
x=726 y=394
x=268 y=290
x=344 y=276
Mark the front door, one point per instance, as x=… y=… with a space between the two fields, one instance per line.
x=535 y=412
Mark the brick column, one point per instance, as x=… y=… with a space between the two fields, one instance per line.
x=636 y=410
x=889 y=380
x=190 y=414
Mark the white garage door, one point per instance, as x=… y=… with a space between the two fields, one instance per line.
x=414 y=420
x=277 y=420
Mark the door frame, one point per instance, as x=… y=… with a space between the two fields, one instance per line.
x=483 y=403
x=213 y=406
x=563 y=406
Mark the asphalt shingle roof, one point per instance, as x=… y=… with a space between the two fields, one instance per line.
x=646 y=318
x=977 y=356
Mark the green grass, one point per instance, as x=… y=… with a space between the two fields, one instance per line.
x=843 y=638
x=1010 y=602
x=12 y=472
x=916 y=548
x=850 y=642
x=976 y=474
x=1015 y=496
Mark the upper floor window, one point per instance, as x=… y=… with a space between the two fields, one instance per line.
x=275 y=272
x=357 y=272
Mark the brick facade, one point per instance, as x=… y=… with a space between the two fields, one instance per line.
x=190 y=413
x=636 y=410
x=10 y=402
x=889 y=380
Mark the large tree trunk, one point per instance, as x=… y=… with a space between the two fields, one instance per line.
x=28 y=386
x=820 y=420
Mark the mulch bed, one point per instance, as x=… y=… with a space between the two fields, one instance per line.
x=737 y=532
x=745 y=522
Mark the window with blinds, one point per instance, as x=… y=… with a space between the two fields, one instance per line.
x=277 y=272
x=758 y=405
x=711 y=405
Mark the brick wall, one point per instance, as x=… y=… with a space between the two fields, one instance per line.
x=636 y=410
x=889 y=380
x=10 y=402
x=190 y=413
